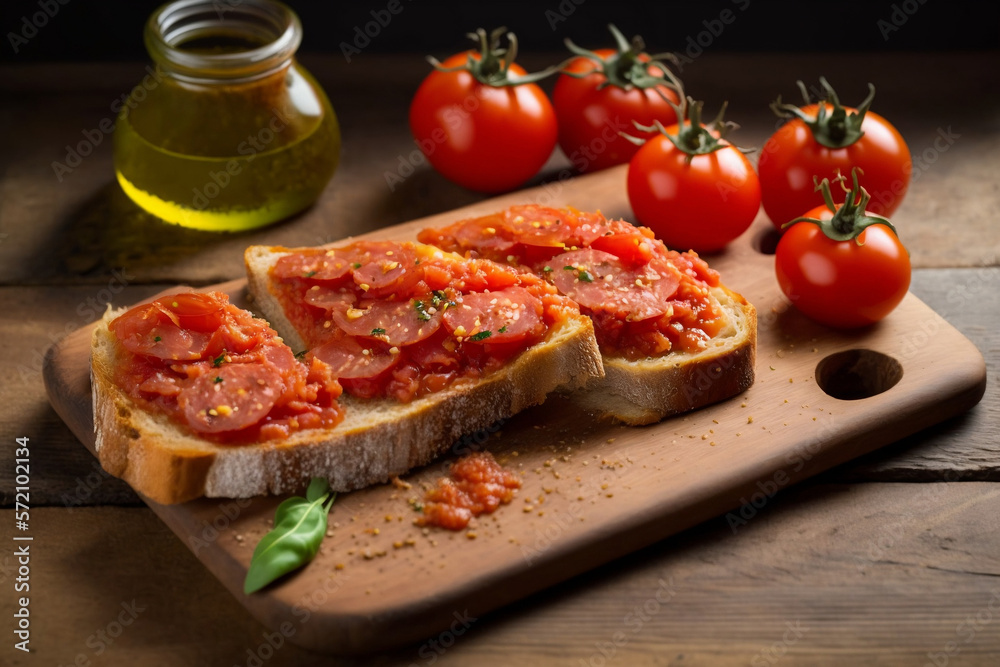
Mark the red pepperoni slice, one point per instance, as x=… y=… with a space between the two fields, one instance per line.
x=599 y=281
x=539 y=225
x=148 y=331
x=328 y=265
x=329 y=298
x=386 y=267
x=347 y=358
x=192 y=310
x=395 y=322
x=509 y=315
x=231 y=397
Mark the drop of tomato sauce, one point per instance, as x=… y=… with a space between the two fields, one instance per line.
x=476 y=484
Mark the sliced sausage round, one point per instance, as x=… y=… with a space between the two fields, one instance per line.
x=395 y=322
x=509 y=315
x=600 y=281
x=231 y=397
x=350 y=360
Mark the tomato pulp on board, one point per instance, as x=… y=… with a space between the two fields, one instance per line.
x=219 y=371
x=402 y=320
x=644 y=299
x=476 y=484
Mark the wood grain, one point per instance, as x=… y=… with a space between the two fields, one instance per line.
x=81 y=228
x=599 y=491
x=873 y=574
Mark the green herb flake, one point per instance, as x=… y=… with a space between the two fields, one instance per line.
x=218 y=379
x=378 y=331
x=219 y=360
x=437 y=296
x=547 y=269
x=482 y=335
x=300 y=354
x=157 y=339
x=585 y=277
x=356 y=265
x=569 y=268
x=174 y=304
x=309 y=274
x=299 y=527
x=502 y=329
x=421 y=309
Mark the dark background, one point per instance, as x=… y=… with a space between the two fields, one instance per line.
x=94 y=30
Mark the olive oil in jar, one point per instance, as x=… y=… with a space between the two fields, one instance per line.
x=235 y=134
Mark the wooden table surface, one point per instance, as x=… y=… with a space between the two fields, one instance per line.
x=893 y=559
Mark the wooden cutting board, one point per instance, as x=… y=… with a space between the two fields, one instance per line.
x=591 y=491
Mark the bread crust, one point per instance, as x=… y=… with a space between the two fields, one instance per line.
x=378 y=438
x=643 y=392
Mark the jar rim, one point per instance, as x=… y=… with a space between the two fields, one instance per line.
x=179 y=22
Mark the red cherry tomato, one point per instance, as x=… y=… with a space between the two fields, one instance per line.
x=792 y=157
x=840 y=283
x=692 y=202
x=591 y=116
x=485 y=138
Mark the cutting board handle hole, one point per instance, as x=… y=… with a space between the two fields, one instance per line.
x=767 y=241
x=854 y=374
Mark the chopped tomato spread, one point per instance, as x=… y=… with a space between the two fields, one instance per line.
x=476 y=484
x=402 y=320
x=643 y=298
x=220 y=372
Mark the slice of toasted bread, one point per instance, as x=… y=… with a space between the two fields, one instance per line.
x=378 y=438
x=634 y=392
x=645 y=391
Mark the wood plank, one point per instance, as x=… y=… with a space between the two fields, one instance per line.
x=83 y=227
x=874 y=574
x=665 y=477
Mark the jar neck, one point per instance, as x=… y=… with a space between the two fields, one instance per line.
x=225 y=41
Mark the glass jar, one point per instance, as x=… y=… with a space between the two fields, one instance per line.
x=229 y=132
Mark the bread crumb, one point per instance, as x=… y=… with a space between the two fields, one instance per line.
x=471 y=535
x=750 y=420
x=338 y=566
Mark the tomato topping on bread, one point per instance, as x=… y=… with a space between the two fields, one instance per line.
x=219 y=372
x=402 y=320
x=645 y=300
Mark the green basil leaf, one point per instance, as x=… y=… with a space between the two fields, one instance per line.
x=299 y=528
x=317 y=487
